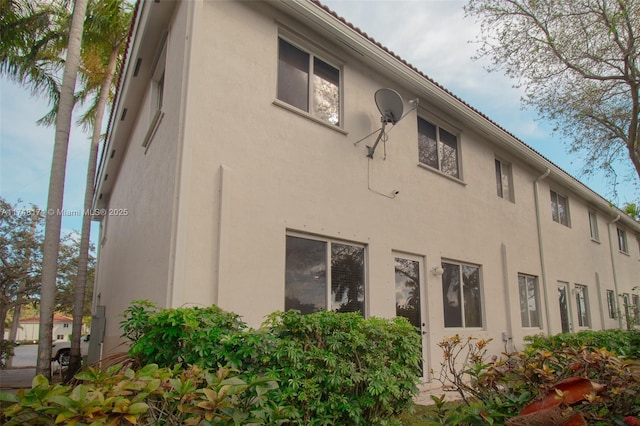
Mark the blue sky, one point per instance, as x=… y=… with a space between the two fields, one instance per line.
x=26 y=152
x=435 y=37
x=432 y=35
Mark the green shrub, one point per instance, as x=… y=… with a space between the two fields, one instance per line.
x=343 y=369
x=504 y=386
x=621 y=342
x=334 y=368
x=149 y=396
x=6 y=352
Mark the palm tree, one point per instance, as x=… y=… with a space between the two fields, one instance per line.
x=105 y=36
x=32 y=36
x=53 y=220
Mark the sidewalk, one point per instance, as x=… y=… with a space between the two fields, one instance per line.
x=16 y=378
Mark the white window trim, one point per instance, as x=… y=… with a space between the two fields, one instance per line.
x=511 y=194
x=314 y=51
x=482 y=297
x=538 y=302
x=156 y=109
x=566 y=197
x=329 y=241
x=611 y=310
x=442 y=124
x=592 y=213
x=586 y=306
x=619 y=232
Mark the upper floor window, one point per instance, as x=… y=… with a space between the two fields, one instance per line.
x=622 y=241
x=461 y=295
x=308 y=83
x=324 y=275
x=559 y=208
x=529 y=300
x=157 y=92
x=438 y=148
x=582 y=306
x=593 y=225
x=504 y=180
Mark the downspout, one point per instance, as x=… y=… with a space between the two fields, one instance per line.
x=613 y=268
x=541 y=248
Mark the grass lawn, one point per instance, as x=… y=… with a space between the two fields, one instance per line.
x=419 y=416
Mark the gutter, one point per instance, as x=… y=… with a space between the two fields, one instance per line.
x=388 y=64
x=543 y=267
x=613 y=269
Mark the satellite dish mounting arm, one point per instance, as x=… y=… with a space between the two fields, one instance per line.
x=372 y=149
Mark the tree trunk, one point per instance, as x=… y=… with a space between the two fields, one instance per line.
x=75 y=360
x=53 y=221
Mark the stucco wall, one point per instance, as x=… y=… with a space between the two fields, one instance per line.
x=135 y=248
x=248 y=171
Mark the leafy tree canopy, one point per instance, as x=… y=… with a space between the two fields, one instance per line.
x=578 y=64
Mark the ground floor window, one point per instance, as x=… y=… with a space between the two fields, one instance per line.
x=461 y=295
x=322 y=274
x=582 y=306
x=611 y=304
x=529 y=300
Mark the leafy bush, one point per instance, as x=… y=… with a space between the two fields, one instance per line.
x=149 y=396
x=620 y=342
x=343 y=369
x=334 y=368
x=504 y=386
x=6 y=352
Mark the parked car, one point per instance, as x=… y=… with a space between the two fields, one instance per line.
x=61 y=349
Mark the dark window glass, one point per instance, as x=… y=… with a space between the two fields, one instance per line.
x=309 y=273
x=293 y=76
x=427 y=144
x=449 y=158
x=437 y=148
x=347 y=278
x=306 y=275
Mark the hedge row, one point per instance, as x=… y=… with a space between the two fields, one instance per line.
x=331 y=368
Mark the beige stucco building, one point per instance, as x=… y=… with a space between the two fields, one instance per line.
x=236 y=172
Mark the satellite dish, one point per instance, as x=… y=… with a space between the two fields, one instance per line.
x=390 y=105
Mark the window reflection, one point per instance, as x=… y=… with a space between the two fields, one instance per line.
x=309 y=273
x=306 y=275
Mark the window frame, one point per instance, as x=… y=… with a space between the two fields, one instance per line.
x=328 y=291
x=157 y=91
x=623 y=245
x=438 y=144
x=593 y=225
x=462 y=300
x=312 y=56
x=555 y=210
x=583 y=290
x=611 y=304
x=536 y=295
x=504 y=171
